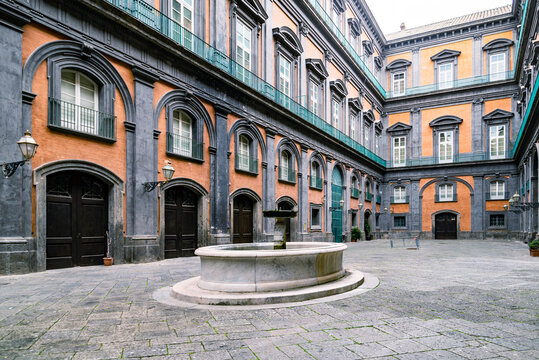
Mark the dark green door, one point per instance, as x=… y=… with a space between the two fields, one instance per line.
x=336 y=210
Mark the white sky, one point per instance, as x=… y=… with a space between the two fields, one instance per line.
x=391 y=13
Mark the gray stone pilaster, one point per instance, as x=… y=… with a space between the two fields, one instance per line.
x=268 y=67
x=416 y=68
x=269 y=195
x=478 y=126
x=513 y=218
x=220 y=207
x=326 y=113
x=303 y=191
x=302 y=68
x=384 y=149
x=415 y=119
x=218 y=25
x=477 y=56
x=516 y=121
x=362 y=201
x=478 y=207
x=327 y=202
x=415 y=206
x=141 y=163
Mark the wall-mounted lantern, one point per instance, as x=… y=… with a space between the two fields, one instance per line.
x=168 y=172
x=28 y=147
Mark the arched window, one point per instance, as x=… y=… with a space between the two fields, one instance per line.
x=368 y=191
x=182 y=132
x=497 y=190
x=79 y=103
x=399 y=195
x=316 y=178
x=354 y=190
x=243 y=153
x=286 y=169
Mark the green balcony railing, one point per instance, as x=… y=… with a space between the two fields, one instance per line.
x=246 y=163
x=184 y=146
x=286 y=174
x=316 y=182
x=368 y=196
x=457 y=158
x=476 y=80
x=186 y=39
x=70 y=117
x=354 y=192
x=400 y=200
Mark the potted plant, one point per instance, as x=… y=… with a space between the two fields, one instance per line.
x=356 y=234
x=107 y=261
x=367 y=231
x=534 y=248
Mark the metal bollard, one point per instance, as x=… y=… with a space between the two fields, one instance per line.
x=391 y=243
x=416 y=242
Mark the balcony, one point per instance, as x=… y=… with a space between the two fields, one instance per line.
x=316 y=183
x=287 y=175
x=494 y=197
x=187 y=40
x=68 y=117
x=354 y=192
x=471 y=81
x=400 y=200
x=246 y=163
x=184 y=147
x=458 y=158
x=368 y=196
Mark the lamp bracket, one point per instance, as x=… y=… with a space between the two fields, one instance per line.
x=9 y=169
x=150 y=186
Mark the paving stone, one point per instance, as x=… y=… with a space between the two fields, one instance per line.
x=211 y=355
x=439 y=342
x=370 y=350
x=404 y=346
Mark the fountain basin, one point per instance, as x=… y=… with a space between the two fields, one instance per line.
x=240 y=268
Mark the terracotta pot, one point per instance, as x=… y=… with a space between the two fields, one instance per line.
x=534 y=252
x=107 y=261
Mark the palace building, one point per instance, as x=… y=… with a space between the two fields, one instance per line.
x=259 y=105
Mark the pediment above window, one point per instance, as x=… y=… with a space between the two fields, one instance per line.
x=317 y=67
x=398 y=127
x=355 y=26
x=367 y=46
x=498 y=44
x=339 y=5
x=399 y=63
x=288 y=39
x=378 y=126
x=252 y=8
x=445 y=54
x=338 y=87
x=355 y=104
x=497 y=114
x=368 y=117
x=378 y=62
x=445 y=120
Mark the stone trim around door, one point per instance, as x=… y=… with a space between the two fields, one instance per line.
x=257 y=214
x=115 y=206
x=433 y=220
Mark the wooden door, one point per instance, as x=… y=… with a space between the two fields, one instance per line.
x=243 y=220
x=445 y=226
x=77 y=220
x=181 y=222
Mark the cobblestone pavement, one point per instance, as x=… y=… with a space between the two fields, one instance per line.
x=449 y=300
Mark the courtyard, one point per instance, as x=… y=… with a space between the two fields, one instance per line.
x=448 y=300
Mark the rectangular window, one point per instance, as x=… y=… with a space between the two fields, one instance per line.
x=497 y=190
x=182 y=14
x=497 y=220
x=243 y=49
x=353 y=120
x=244 y=153
x=497 y=67
x=445 y=192
x=445 y=76
x=353 y=218
x=497 y=142
x=183 y=135
x=284 y=76
x=377 y=145
x=313 y=98
x=398 y=84
x=399 y=221
x=336 y=113
x=399 y=151
x=315 y=218
x=367 y=136
x=399 y=194
x=445 y=146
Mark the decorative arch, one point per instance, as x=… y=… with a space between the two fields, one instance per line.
x=115 y=205
x=288 y=39
x=245 y=126
x=184 y=100
x=338 y=87
x=257 y=212
x=498 y=44
x=287 y=144
x=286 y=198
x=202 y=211
x=445 y=179
x=433 y=220
x=398 y=63
x=338 y=165
x=315 y=155
x=66 y=53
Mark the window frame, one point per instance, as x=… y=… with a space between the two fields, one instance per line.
x=488 y=219
x=399 y=216
x=197 y=131
x=442 y=58
x=318 y=207
x=399 y=200
x=315 y=161
x=490 y=139
x=291 y=166
x=497 y=196
x=453 y=198
x=446 y=143
x=393 y=149
x=496 y=47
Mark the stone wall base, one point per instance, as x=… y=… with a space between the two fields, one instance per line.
x=141 y=248
x=17 y=255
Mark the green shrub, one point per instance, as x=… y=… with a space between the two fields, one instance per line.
x=367 y=230
x=356 y=233
x=534 y=245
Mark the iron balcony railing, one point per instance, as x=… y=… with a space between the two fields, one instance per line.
x=354 y=192
x=286 y=174
x=471 y=81
x=246 y=163
x=457 y=158
x=186 y=39
x=184 y=146
x=74 y=118
x=400 y=200
x=368 y=196
x=493 y=196
x=316 y=182
x=451 y=198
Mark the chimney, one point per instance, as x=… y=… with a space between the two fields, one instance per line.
x=403 y=27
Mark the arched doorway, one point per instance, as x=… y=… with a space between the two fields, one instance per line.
x=445 y=225
x=77 y=220
x=243 y=219
x=181 y=220
x=287 y=205
x=367 y=228
x=336 y=209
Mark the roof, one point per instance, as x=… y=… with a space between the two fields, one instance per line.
x=458 y=21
